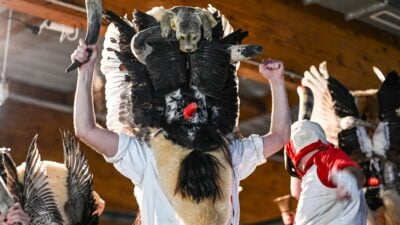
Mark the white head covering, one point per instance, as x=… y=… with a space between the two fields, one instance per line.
x=305 y=132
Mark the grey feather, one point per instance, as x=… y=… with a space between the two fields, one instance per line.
x=38 y=199
x=80 y=204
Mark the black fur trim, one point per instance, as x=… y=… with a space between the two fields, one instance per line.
x=199 y=173
x=199 y=177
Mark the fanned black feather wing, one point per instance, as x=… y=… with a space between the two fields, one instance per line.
x=143 y=21
x=389 y=107
x=39 y=202
x=166 y=64
x=81 y=203
x=344 y=101
x=210 y=68
x=344 y=106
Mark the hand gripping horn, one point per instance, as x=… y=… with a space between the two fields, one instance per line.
x=94 y=13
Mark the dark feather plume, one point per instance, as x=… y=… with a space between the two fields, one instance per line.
x=210 y=68
x=235 y=37
x=81 y=203
x=344 y=101
x=345 y=106
x=38 y=201
x=13 y=184
x=143 y=21
x=389 y=107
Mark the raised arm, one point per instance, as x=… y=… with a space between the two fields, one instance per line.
x=279 y=132
x=86 y=129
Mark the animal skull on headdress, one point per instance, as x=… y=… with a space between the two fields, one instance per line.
x=188 y=23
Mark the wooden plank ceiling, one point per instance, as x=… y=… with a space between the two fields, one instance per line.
x=299 y=35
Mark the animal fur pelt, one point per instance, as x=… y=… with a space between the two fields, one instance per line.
x=51 y=192
x=366 y=124
x=154 y=79
x=211 y=211
x=389 y=213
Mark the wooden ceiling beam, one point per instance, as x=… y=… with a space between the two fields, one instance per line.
x=73 y=18
x=50 y=11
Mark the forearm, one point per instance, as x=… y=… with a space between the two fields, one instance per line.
x=84 y=118
x=280 y=118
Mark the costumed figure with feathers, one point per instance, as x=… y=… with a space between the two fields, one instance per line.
x=47 y=192
x=172 y=102
x=366 y=125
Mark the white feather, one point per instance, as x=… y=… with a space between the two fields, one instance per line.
x=365 y=142
x=381 y=139
x=323 y=110
x=117 y=90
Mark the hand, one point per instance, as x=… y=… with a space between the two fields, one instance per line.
x=347 y=187
x=272 y=69
x=81 y=54
x=101 y=204
x=15 y=215
x=288 y=217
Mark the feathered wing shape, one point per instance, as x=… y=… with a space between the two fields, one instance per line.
x=38 y=199
x=324 y=106
x=210 y=82
x=118 y=85
x=13 y=184
x=332 y=102
x=389 y=107
x=13 y=191
x=81 y=203
x=143 y=20
x=167 y=72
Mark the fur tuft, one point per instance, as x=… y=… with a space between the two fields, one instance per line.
x=199 y=177
x=391 y=204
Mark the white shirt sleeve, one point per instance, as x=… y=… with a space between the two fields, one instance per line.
x=247 y=154
x=131 y=158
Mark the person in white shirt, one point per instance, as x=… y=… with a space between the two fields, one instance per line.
x=328 y=183
x=135 y=160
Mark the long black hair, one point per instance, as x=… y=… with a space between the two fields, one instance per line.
x=199 y=175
